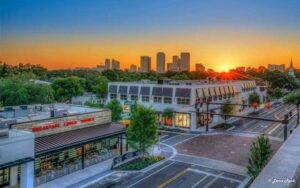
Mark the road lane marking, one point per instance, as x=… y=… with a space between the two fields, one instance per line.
x=172 y=178
x=216 y=175
x=151 y=174
x=198 y=182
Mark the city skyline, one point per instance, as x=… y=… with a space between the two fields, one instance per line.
x=60 y=34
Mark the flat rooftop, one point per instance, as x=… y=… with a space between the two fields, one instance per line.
x=24 y=113
x=183 y=82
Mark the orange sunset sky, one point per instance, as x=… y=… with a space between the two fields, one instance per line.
x=83 y=35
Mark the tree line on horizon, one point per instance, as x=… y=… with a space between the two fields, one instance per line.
x=16 y=81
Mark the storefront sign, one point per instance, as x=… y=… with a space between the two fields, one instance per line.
x=87 y=120
x=57 y=125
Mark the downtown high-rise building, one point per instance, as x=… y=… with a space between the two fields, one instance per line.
x=145 y=64
x=160 y=62
x=133 y=68
x=107 y=64
x=185 y=61
x=199 y=67
x=170 y=67
x=115 y=64
x=176 y=63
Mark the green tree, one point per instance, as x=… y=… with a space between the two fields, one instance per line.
x=226 y=108
x=100 y=86
x=93 y=104
x=116 y=109
x=254 y=99
x=142 y=132
x=277 y=93
x=168 y=113
x=293 y=98
x=19 y=91
x=66 y=88
x=261 y=152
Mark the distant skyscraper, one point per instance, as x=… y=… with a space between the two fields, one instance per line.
x=185 y=61
x=199 y=67
x=133 y=68
x=107 y=64
x=170 y=67
x=273 y=67
x=160 y=62
x=145 y=64
x=176 y=63
x=291 y=69
x=115 y=64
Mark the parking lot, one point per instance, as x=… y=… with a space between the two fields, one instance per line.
x=180 y=174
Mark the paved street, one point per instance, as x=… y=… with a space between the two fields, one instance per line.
x=271 y=128
x=180 y=174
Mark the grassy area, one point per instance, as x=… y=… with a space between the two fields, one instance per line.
x=172 y=129
x=140 y=163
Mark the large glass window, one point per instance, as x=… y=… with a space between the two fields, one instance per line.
x=113 y=96
x=157 y=99
x=168 y=100
x=123 y=97
x=182 y=120
x=134 y=97
x=52 y=166
x=185 y=101
x=4 y=177
x=145 y=98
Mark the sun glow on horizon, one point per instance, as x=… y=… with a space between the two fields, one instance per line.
x=224 y=68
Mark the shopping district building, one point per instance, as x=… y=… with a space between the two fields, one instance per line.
x=182 y=97
x=39 y=143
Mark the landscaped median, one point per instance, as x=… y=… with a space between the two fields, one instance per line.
x=140 y=163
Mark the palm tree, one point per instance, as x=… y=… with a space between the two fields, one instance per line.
x=293 y=98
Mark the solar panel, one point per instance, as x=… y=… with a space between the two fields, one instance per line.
x=113 y=89
x=123 y=89
x=133 y=90
x=183 y=92
x=145 y=91
x=157 y=91
x=167 y=92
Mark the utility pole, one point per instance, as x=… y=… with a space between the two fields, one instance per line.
x=285 y=122
x=207 y=108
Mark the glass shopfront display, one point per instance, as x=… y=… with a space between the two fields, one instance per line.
x=182 y=120
x=4 y=177
x=61 y=163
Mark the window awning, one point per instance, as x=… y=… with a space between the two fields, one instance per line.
x=183 y=92
x=217 y=90
x=167 y=92
x=206 y=92
x=222 y=90
x=113 y=89
x=134 y=90
x=226 y=89
x=67 y=139
x=212 y=91
x=200 y=93
x=123 y=89
x=157 y=91
x=234 y=89
x=145 y=91
x=230 y=89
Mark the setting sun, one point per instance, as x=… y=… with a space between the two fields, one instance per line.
x=224 y=68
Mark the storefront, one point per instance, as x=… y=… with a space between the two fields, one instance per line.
x=182 y=120
x=63 y=145
x=74 y=150
x=4 y=177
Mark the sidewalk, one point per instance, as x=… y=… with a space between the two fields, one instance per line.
x=82 y=175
